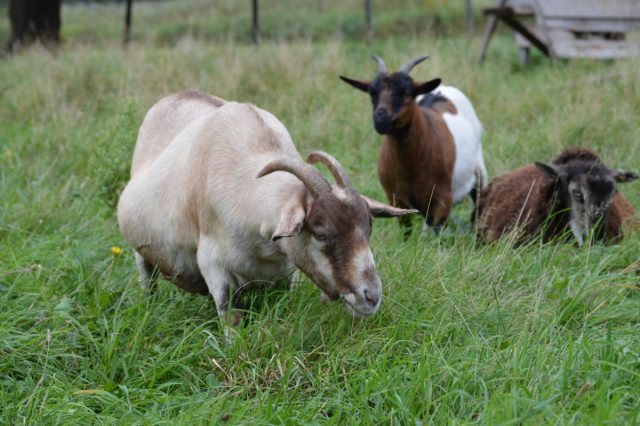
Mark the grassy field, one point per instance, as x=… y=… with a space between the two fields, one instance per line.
x=467 y=333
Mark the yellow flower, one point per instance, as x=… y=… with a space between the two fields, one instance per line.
x=117 y=251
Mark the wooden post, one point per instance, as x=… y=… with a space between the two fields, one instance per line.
x=256 y=23
x=491 y=27
x=469 y=18
x=127 y=23
x=369 y=20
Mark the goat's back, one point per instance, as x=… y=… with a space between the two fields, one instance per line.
x=165 y=120
x=463 y=106
x=466 y=129
x=511 y=199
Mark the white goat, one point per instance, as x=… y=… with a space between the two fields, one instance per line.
x=210 y=206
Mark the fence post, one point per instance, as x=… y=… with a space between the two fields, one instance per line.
x=256 y=23
x=127 y=23
x=469 y=18
x=369 y=21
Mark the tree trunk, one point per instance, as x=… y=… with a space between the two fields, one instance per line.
x=34 y=20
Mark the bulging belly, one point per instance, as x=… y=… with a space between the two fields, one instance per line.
x=179 y=267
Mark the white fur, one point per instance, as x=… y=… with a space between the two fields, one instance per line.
x=194 y=196
x=323 y=266
x=467 y=134
x=356 y=302
x=195 y=204
x=363 y=261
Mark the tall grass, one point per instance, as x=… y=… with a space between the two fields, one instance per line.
x=468 y=333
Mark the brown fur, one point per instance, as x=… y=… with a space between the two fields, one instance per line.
x=524 y=198
x=515 y=198
x=193 y=283
x=418 y=154
x=622 y=218
x=334 y=218
x=415 y=165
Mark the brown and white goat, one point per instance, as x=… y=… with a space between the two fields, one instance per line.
x=431 y=156
x=219 y=197
x=576 y=191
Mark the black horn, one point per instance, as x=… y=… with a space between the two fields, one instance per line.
x=406 y=68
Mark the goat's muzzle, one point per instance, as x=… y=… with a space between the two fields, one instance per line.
x=382 y=121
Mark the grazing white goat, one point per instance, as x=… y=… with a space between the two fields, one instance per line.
x=431 y=156
x=219 y=197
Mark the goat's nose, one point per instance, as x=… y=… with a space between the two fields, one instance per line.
x=372 y=297
x=597 y=216
x=381 y=114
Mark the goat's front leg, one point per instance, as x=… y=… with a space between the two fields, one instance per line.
x=405 y=222
x=220 y=283
x=439 y=214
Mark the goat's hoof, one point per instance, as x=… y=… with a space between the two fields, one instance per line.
x=324 y=298
x=230 y=334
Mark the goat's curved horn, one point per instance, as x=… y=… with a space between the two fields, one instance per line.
x=382 y=67
x=406 y=68
x=309 y=175
x=336 y=169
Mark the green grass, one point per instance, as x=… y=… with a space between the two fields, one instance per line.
x=467 y=333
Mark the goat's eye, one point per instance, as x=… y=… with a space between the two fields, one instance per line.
x=320 y=237
x=578 y=196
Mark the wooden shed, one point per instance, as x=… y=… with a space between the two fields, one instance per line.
x=600 y=29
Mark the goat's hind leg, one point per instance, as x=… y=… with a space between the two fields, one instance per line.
x=148 y=274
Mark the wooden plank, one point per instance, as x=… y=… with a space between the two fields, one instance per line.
x=595 y=49
x=488 y=32
x=521 y=41
x=593 y=25
x=564 y=45
x=522 y=7
x=508 y=17
x=597 y=9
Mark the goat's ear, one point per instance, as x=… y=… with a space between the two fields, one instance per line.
x=380 y=209
x=425 y=87
x=623 y=177
x=358 y=84
x=291 y=221
x=549 y=169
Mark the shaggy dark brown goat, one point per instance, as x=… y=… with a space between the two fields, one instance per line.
x=576 y=191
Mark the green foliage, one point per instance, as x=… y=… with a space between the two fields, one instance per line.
x=113 y=149
x=467 y=333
